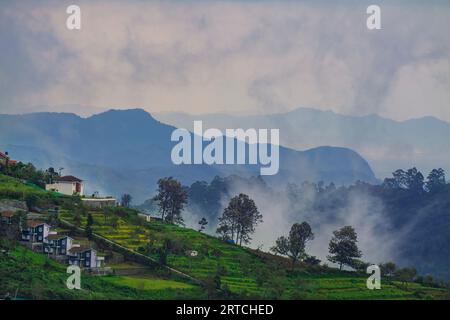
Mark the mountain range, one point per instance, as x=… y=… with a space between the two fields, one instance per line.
x=386 y=144
x=127 y=151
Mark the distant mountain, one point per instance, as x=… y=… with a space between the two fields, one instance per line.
x=122 y=151
x=386 y=144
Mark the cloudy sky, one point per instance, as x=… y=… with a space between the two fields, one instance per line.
x=226 y=56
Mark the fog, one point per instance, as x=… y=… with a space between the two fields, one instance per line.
x=376 y=238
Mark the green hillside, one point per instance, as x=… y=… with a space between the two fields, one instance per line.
x=223 y=270
x=34 y=276
x=243 y=271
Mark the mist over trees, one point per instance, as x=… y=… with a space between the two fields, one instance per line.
x=171 y=199
x=343 y=247
x=409 y=211
x=293 y=246
x=239 y=219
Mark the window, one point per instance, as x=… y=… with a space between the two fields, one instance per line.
x=63 y=251
x=40 y=238
x=88 y=254
x=40 y=229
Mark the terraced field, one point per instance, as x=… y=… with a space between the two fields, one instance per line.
x=241 y=270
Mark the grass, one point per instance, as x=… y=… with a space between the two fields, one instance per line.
x=148 y=283
x=243 y=271
x=37 y=277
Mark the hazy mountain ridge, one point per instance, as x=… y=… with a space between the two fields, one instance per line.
x=134 y=146
x=387 y=144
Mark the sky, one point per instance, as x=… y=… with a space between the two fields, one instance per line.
x=236 y=57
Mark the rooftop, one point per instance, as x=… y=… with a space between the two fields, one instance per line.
x=56 y=236
x=79 y=249
x=34 y=224
x=7 y=214
x=69 y=179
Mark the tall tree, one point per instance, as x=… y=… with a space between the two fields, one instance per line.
x=343 y=247
x=294 y=245
x=414 y=180
x=171 y=199
x=239 y=219
x=435 y=180
x=126 y=200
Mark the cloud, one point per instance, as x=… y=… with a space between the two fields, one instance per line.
x=234 y=57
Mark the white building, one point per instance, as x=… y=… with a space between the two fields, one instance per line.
x=67 y=185
x=99 y=202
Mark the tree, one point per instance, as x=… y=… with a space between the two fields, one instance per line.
x=406 y=274
x=89 y=223
x=388 y=269
x=203 y=222
x=126 y=200
x=77 y=218
x=435 y=180
x=294 y=245
x=343 y=247
x=171 y=199
x=412 y=179
x=239 y=219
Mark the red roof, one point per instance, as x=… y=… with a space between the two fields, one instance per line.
x=70 y=179
x=7 y=214
x=2 y=155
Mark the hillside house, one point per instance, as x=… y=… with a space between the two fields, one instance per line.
x=68 y=185
x=99 y=203
x=36 y=231
x=6 y=216
x=58 y=244
x=5 y=160
x=84 y=257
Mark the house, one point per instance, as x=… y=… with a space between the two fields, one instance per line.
x=58 y=244
x=149 y=218
x=6 y=216
x=99 y=203
x=5 y=160
x=36 y=231
x=84 y=257
x=69 y=185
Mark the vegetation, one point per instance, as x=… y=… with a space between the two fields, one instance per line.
x=239 y=219
x=125 y=200
x=343 y=248
x=171 y=199
x=226 y=270
x=30 y=275
x=242 y=272
x=202 y=223
x=294 y=245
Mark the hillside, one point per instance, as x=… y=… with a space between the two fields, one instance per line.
x=128 y=150
x=232 y=270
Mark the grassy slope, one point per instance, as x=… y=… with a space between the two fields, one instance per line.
x=35 y=276
x=244 y=271
x=247 y=272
